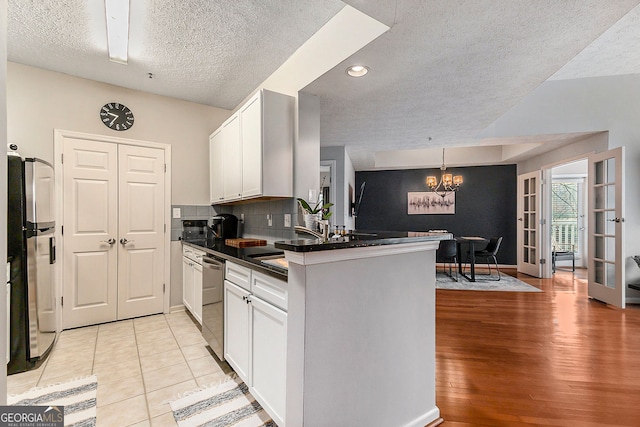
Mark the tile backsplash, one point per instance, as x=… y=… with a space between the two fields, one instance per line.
x=256 y=225
x=255 y=222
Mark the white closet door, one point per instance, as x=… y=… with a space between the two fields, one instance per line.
x=141 y=237
x=90 y=222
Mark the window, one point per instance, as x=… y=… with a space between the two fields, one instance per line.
x=564 y=217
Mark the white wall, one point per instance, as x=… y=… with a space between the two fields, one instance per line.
x=345 y=176
x=349 y=180
x=40 y=101
x=306 y=174
x=591 y=104
x=595 y=144
x=3 y=194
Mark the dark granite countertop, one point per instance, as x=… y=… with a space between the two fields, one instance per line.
x=359 y=239
x=249 y=257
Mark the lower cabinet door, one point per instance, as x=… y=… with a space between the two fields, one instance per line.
x=187 y=284
x=237 y=329
x=197 y=292
x=268 y=357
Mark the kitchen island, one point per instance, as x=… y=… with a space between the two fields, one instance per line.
x=361 y=330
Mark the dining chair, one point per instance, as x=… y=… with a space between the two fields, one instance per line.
x=489 y=253
x=448 y=250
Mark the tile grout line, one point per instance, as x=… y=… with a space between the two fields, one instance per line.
x=144 y=385
x=193 y=377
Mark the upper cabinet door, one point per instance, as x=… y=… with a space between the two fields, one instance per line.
x=251 y=131
x=215 y=167
x=232 y=158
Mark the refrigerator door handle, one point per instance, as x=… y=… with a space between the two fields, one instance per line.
x=52 y=250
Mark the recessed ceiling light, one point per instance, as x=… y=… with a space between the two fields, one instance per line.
x=357 y=70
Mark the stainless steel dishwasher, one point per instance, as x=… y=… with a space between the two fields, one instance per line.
x=213 y=304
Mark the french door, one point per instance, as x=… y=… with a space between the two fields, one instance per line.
x=529 y=211
x=606 y=227
x=113 y=218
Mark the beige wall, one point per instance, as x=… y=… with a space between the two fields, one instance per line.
x=39 y=101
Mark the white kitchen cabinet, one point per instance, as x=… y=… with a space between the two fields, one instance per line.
x=187 y=283
x=216 y=193
x=266 y=131
x=197 y=292
x=232 y=157
x=251 y=154
x=268 y=362
x=256 y=335
x=225 y=162
x=192 y=281
x=236 y=329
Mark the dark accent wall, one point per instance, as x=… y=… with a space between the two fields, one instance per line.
x=485 y=204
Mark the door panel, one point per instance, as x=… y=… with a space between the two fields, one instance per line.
x=90 y=219
x=606 y=227
x=529 y=201
x=141 y=236
x=236 y=329
x=251 y=131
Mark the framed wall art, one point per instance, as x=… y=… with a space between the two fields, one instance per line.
x=427 y=202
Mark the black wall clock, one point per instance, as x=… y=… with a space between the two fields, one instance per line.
x=116 y=116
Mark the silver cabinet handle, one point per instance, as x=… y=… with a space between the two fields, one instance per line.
x=124 y=241
x=111 y=241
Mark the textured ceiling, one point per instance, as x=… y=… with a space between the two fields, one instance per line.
x=446 y=69
x=210 y=52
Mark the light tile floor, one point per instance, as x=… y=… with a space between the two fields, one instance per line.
x=140 y=363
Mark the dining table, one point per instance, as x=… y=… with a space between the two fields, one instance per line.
x=471 y=242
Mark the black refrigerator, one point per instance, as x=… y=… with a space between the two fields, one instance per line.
x=31 y=254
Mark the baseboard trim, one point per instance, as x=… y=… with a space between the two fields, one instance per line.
x=176 y=308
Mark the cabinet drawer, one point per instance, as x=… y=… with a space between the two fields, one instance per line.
x=270 y=289
x=193 y=254
x=238 y=275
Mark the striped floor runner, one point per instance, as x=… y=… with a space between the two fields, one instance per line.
x=229 y=404
x=78 y=398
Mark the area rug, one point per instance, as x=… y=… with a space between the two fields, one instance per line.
x=228 y=404
x=506 y=283
x=78 y=398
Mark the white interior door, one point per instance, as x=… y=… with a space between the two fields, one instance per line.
x=141 y=236
x=529 y=211
x=606 y=227
x=90 y=222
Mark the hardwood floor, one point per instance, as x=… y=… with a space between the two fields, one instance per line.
x=549 y=358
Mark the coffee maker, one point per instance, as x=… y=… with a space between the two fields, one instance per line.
x=222 y=226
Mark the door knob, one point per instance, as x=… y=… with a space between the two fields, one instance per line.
x=111 y=241
x=616 y=220
x=124 y=241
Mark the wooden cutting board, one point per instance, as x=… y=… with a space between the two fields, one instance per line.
x=245 y=243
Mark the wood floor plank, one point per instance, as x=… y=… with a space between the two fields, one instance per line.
x=554 y=358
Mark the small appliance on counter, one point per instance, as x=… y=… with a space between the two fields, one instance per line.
x=194 y=230
x=222 y=227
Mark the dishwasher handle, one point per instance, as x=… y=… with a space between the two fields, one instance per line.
x=211 y=263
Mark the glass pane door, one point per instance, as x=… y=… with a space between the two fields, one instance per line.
x=606 y=273
x=528 y=223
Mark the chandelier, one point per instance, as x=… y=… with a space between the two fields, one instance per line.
x=447 y=184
